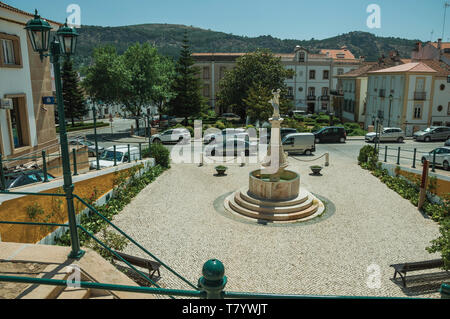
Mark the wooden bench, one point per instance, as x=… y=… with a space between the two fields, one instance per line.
x=402 y=269
x=152 y=266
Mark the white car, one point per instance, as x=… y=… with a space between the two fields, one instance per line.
x=107 y=158
x=232 y=147
x=388 y=134
x=176 y=135
x=225 y=134
x=442 y=157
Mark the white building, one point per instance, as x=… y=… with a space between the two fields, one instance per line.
x=406 y=96
x=315 y=74
x=26 y=124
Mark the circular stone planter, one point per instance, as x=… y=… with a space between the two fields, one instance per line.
x=316 y=169
x=287 y=188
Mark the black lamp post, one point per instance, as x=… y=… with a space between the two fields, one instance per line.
x=389 y=113
x=63 y=45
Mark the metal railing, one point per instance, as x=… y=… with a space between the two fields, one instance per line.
x=44 y=166
x=398 y=154
x=420 y=96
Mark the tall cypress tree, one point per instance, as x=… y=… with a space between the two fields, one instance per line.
x=186 y=85
x=74 y=102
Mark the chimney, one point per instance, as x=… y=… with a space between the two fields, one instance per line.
x=418 y=46
x=439 y=44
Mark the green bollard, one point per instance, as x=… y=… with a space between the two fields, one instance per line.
x=129 y=154
x=44 y=167
x=75 y=170
x=115 y=158
x=140 y=151
x=434 y=161
x=398 y=156
x=445 y=291
x=213 y=280
x=385 y=153
x=2 y=176
x=414 y=159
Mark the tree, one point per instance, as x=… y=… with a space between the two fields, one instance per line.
x=260 y=67
x=74 y=102
x=163 y=89
x=186 y=85
x=106 y=77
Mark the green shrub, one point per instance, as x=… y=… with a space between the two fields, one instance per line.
x=368 y=157
x=316 y=128
x=356 y=132
x=220 y=125
x=161 y=155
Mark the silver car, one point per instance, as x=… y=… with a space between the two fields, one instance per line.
x=177 y=135
x=433 y=133
x=442 y=157
x=388 y=134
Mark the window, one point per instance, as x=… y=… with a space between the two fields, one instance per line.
x=324 y=105
x=18 y=119
x=418 y=111
x=325 y=74
x=206 y=90
x=9 y=51
x=312 y=74
x=311 y=91
x=290 y=91
x=340 y=71
x=324 y=91
x=440 y=108
x=222 y=71
x=442 y=87
x=300 y=89
x=301 y=57
x=206 y=72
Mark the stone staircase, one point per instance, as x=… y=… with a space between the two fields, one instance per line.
x=304 y=206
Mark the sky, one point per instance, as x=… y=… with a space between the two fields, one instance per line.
x=292 y=19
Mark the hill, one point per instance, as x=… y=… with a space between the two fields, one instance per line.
x=168 y=38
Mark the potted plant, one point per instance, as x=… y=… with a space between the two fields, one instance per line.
x=316 y=169
x=221 y=170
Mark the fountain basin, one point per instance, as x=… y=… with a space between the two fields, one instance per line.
x=261 y=187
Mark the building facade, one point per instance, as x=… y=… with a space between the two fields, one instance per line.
x=406 y=96
x=309 y=88
x=26 y=124
x=439 y=51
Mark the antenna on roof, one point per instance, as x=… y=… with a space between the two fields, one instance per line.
x=446 y=5
x=431 y=38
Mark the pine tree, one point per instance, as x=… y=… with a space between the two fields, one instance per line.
x=186 y=85
x=74 y=102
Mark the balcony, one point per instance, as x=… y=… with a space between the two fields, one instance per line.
x=290 y=96
x=382 y=93
x=420 y=96
x=311 y=97
x=337 y=92
x=325 y=97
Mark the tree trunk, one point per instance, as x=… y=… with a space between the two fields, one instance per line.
x=137 y=124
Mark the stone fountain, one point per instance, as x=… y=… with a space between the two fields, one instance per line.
x=274 y=193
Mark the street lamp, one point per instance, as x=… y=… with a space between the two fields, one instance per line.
x=63 y=45
x=389 y=113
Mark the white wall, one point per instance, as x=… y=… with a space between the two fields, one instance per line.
x=16 y=81
x=441 y=97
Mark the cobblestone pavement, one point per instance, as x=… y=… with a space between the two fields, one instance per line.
x=365 y=223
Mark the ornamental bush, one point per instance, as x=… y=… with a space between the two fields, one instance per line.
x=161 y=155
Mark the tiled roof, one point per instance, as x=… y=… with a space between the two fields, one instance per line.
x=8 y=7
x=441 y=68
x=408 y=67
x=333 y=53
x=444 y=45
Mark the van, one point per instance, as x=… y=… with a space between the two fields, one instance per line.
x=299 y=143
x=107 y=158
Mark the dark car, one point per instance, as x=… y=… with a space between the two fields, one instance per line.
x=330 y=134
x=22 y=178
x=284 y=131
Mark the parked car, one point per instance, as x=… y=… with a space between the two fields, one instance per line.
x=388 y=134
x=231 y=117
x=330 y=134
x=225 y=134
x=299 y=143
x=442 y=157
x=24 y=177
x=89 y=144
x=284 y=131
x=176 y=135
x=298 y=113
x=107 y=158
x=447 y=143
x=433 y=133
x=232 y=147
x=164 y=121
